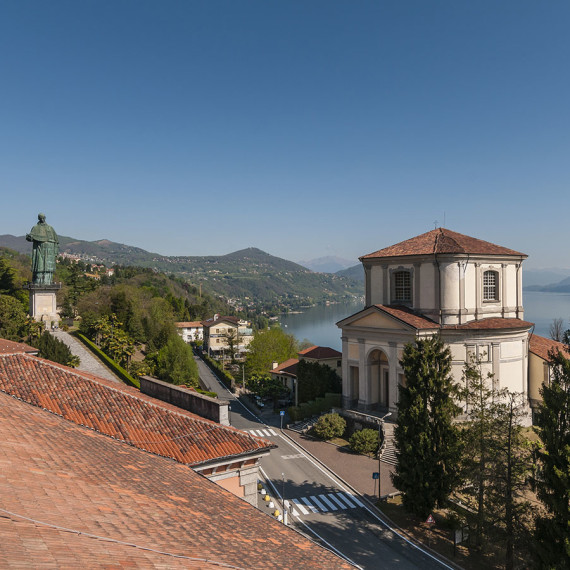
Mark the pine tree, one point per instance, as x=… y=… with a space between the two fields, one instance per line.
x=427 y=441
x=553 y=488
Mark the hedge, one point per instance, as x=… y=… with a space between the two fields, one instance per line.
x=109 y=362
x=314 y=407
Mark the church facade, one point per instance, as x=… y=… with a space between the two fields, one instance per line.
x=467 y=290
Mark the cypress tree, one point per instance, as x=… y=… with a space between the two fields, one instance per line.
x=553 y=488
x=427 y=441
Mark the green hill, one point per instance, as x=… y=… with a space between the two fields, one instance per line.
x=249 y=276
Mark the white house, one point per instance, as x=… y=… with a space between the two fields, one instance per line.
x=467 y=290
x=190 y=331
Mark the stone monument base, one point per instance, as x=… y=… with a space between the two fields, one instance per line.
x=43 y=304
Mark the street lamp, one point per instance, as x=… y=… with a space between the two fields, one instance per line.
x=380 y=423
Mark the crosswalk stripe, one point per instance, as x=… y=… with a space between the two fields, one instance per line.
x=337 y=501
x=319 y=504
x=262 y=432
x=301 y=507
x=329 y=503
x=346 y=499
x=355 y=499
x=308 y=503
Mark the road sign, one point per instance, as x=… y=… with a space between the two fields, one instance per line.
x=375 y=475
x=430 y=520
x=282 y=413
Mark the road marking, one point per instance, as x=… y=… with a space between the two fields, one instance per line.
x=319 y=504
x=301 y=507
x=262 y=432
x=346 y=499
x=329 y=503
x=308 y=503
x=297 y=456
x=353 y=498
x=338 y=502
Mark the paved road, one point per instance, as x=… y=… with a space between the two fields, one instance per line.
x=321 y=505
x=89 y=363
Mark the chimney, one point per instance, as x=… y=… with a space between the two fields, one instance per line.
x=274 y=365
x=216 y=317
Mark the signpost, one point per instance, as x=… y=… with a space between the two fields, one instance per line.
x=376 y=477
x=430 y=521
x=282 y=413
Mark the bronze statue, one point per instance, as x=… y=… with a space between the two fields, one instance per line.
x=44 y=254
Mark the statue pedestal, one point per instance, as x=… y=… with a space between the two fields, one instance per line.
x=43 y=304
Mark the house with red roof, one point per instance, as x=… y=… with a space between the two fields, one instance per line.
x=220 y=331
x=467 y=290
x=190 y=331
x=286 y=372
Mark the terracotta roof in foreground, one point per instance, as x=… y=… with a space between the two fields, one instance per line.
x=72 y=498
x=441 y=241
x=320 y=352
x=123 y=413
x=541 y=346
x=11 y=347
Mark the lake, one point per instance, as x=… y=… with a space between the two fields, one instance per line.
x=317 y=324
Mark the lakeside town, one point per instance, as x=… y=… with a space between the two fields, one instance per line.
x=438 y=371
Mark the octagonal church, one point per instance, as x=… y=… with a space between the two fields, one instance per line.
x=442 y=282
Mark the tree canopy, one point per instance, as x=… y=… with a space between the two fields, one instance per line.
x=268 y=346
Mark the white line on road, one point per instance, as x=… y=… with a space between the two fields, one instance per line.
x=301 y=507
x=354 y=498
x=309 y=504
x=338 y=502
x=319 y=504
x=329 y=503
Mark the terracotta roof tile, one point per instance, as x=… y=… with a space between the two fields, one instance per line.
x=11 y=347
x=210 y=322
x=72 y=498
x=189 y=325
x=496 y=323
x=541 y=346
x=408 y=316
x=320 y=352
x=442 y=241
x=122 y=412
x=287 y=367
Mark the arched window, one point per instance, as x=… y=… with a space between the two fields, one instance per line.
x=402 y=287
x=490 y=286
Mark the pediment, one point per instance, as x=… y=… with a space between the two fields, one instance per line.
x=375 y=320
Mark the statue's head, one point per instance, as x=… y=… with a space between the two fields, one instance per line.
x=42 y=217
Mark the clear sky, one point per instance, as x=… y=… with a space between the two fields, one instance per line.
x=302 y=127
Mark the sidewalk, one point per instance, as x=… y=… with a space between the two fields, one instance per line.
x=355 y=469
x=88 y=361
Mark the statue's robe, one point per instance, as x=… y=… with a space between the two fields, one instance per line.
x=44 y=253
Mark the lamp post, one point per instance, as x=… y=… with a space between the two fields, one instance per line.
x=380 y=423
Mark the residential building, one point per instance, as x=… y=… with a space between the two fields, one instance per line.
x=286 y=372
x=466 y=290
x=96 y=475
x=190 y=331
x=220 y=331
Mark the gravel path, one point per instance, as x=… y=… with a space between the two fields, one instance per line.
x=89 y=363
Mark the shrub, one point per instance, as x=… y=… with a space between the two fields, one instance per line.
x=329 y=426
x=364 y=441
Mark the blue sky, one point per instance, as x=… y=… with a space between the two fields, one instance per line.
x=304 y=128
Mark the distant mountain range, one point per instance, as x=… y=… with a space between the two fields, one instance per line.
x=246 y=274
x=329 y=264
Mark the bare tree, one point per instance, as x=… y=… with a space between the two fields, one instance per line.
x=556 y=329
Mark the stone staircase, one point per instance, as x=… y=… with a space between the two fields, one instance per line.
x=388 y=453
